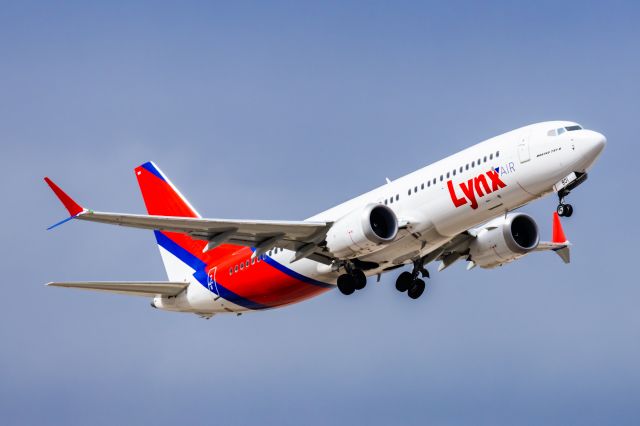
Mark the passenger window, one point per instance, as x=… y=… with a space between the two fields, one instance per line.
x=429 y=183
x=497 y=154
x=409 y=191
x=241 y=266
x=236 y=268
x=454 y=172
x=415 y=189
x=391 y=200
x=246 y=264
x=460 y=169
x=466 y=167
x=422 y=186
x=473 y=164
x=490 y=156
x=485 y=158
x=231 y=271
x=385 y=201
x=448 y=174
x=397 y=197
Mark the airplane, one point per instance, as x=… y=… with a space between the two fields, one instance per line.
x=461 y=207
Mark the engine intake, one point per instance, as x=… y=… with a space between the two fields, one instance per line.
x=363 y=231
x=504 y=240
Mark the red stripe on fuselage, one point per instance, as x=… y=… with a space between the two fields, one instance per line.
x=261 y=282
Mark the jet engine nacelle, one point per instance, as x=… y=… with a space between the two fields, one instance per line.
x=363 y=231
x=504 y=240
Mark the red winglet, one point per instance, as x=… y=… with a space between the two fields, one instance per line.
x=73 y=207
x=557 y=233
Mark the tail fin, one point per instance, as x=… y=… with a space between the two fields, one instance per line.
x=181 y=254
x=161 y=197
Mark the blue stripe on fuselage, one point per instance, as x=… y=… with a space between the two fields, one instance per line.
x=201 y=274
x=293 y=274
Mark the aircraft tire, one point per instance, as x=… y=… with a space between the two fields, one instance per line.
x=404 y=281
x=568 y=210
x=416 y=289
x=346 y=284
x=360 y=279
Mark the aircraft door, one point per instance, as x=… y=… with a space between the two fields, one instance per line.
x=212 y=284
x=523 y=149
x=211 y=280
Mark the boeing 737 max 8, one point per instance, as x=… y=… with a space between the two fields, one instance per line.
x=461 y=207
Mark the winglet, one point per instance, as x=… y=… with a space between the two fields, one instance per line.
x=73 y=207
x=557 y=231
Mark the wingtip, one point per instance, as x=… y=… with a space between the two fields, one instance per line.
x=69 y=203
x=558 y=235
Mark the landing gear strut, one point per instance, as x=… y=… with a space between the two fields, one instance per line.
x=563 y=209
x=409 y=281
x=353 y=280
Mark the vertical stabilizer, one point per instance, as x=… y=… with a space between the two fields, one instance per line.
x=182 y=255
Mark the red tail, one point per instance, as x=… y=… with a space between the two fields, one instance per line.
x=162 y=198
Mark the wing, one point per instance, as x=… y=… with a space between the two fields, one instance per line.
x=132 y=288
x=300 y=236
x=458 y=247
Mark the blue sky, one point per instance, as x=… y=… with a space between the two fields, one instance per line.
x=280 y=110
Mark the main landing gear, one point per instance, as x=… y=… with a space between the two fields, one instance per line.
x=353 y=280
x=409 y=281
x=565 y=210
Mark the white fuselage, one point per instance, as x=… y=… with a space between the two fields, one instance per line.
x=530 y=163
x=442 y=200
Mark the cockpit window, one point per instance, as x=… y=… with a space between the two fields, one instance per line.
x=561 y=130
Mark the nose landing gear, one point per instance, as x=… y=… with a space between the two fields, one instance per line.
x=564 y=187
x=565 y=210
x=409 y=281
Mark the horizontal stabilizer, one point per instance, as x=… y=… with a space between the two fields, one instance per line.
x=132 y=288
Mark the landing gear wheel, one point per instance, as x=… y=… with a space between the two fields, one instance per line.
x=417 y=289
x=404 y=281
x=359 y=279
x=562 y=209
x=568 y=210
x=346 y=284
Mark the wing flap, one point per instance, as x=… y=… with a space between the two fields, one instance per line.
x=131 y=288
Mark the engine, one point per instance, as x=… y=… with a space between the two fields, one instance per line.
x=363 y=231
x=504 y=240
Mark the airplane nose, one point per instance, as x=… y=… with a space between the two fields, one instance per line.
x=597 y=143
x=593 y=143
